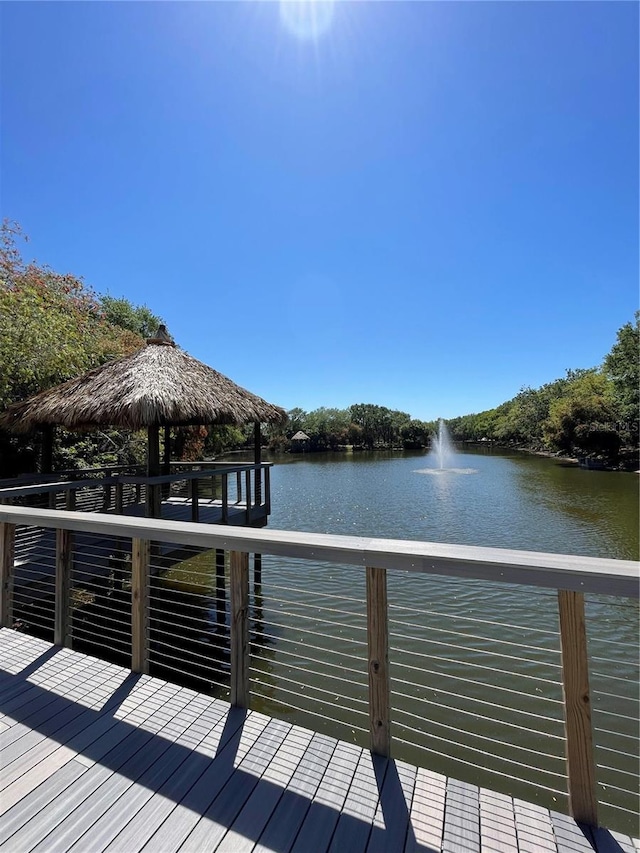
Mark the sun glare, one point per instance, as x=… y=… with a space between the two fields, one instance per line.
x=307 y=19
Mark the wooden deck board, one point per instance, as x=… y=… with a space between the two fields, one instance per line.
x=427 y=812
x=81 y=730
x=392 y=818
x=324 y=811
x=360 y=806
x=225 y=808
x=98 y=759
x=255 y=814
x=147 y=809
x=119 y=744
x=240 y=733
x=286 y=819
x=147 y=764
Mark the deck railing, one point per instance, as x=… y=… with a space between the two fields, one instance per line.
x=385 y=645
x=231 y=485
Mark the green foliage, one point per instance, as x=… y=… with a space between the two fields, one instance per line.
x=417 y=434
x=622 y=366
x=136 y=318
x=583 y=421
x=362 y=425
x=381 y=427
x=52 y=328
x=591 y=412
x=221 y=439
x=98 y=448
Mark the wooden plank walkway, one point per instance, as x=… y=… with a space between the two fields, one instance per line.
x=96 y=758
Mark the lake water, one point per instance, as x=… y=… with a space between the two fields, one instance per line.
x=514 y=500
x=475 y=667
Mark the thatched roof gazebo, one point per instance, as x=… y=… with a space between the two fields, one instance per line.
x=157 y=386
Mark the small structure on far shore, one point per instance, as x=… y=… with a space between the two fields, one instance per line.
x=300 y=442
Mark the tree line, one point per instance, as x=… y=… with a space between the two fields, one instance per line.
x=362 y=425
x=54 y=327
x=590 y=413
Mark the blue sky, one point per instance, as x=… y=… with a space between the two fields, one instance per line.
x=427 y=206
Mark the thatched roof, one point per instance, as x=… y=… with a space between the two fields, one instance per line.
x=300 y=436
x=158 y=385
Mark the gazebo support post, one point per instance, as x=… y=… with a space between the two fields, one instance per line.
x=153 y=470
x=257 y=449
x=46 y=458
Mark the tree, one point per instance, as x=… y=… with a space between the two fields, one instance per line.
x=327 y=428
x=221 y=438
x=583 y=421
x=415 y=434
x=622 y=366
x=297 y=420
x=136 y=318
x=52 y=328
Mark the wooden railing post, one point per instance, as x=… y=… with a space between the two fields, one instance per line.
x=154 y=497
x=239 y=584
x=7 y=551
x=378 y=643
x=118 y=498
x=71 y=500
x=64 y=561
x=238 y=487
x=581 y=771
x=140 y=550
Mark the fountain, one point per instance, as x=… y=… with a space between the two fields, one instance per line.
x=441 y=447
x=442 y=454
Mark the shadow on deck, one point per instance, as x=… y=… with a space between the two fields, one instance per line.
x=95 y=757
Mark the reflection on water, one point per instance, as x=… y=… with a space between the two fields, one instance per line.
x=443 y=472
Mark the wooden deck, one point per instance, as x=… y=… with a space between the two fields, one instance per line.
x=97 y=758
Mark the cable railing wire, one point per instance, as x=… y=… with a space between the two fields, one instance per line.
x=473 y=734
x=467 y=636
x=474 y=665
x=476 y=701
x=493 y=653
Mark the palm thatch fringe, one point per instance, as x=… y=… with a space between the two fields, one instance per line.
x=159 y=385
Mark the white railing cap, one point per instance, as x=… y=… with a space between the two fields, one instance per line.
x=558 y=571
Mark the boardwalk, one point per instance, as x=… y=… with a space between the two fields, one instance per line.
x=96 y=758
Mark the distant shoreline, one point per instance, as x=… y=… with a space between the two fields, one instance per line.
x=629 y=465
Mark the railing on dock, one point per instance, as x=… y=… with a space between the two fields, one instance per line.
x=115 y=489
x=351 y=628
